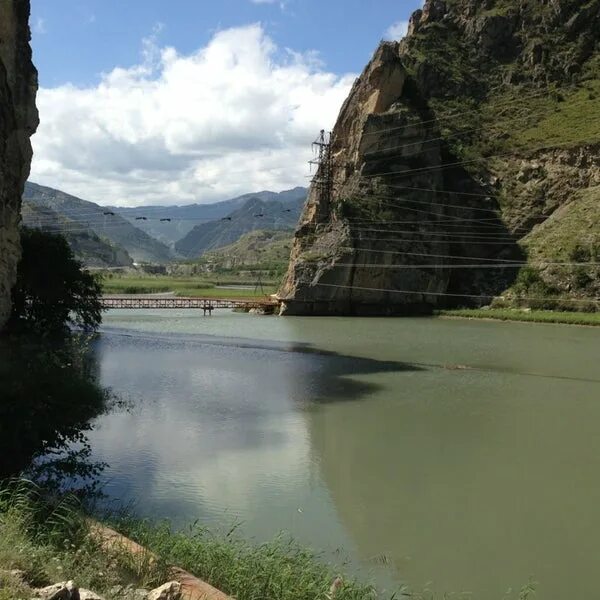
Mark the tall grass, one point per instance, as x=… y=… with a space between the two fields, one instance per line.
x=277 y=570
x=49 y=541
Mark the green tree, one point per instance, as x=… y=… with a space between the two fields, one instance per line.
x=52 y=291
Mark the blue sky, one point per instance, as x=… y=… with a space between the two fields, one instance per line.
x=116 y=61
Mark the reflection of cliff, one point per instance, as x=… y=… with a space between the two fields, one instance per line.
x=18 y=121
x=473 y=494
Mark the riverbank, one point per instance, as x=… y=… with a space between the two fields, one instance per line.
x=232 y=287
x=530 y=316
x=43 y=543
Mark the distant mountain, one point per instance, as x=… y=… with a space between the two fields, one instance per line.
x=84 y=216
x=88 y=247
x=264 y=249
x=184 y=218
x=255 y=214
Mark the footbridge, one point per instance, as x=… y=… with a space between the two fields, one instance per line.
x=127 y=301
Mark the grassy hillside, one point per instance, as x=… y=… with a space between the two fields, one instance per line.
x=89 y=248
x=516 y=87
x=255 y=215
x=87 y=216
x=266 y=250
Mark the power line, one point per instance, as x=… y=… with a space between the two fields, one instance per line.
x=474 y=160
x=515 y=265
x=443 y=117
x=395 y=252
x=472 y=296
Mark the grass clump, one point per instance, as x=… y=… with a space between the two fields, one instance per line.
x=49 y=541
x=277 y=570
x=530 y=316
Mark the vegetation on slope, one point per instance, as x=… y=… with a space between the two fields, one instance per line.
x=44 y=542
x=524 y=78
x=255 y=215
x=207 y=286
x=90 y=216
x=265 y=250
x=89 y=248
x=528 y=316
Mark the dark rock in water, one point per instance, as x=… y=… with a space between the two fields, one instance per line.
x=18 y=121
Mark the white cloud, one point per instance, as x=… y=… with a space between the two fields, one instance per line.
x=397 y=30
x=40 y=26
x=235 y=116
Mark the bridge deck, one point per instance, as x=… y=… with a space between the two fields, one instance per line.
x=180 y=302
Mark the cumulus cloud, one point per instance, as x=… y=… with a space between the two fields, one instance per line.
x=237 y=115
x=397 y=30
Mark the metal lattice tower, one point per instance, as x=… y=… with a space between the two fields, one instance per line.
x=323 y=179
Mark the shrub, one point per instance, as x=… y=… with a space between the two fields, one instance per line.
x=52 y=290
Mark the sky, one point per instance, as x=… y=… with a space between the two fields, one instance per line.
x=180 y=101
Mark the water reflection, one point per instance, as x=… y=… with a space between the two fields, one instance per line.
x=49 y=395
x=218 y=429
x=473 y=478
x=475 y=483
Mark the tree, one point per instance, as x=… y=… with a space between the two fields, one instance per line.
x=52 y=291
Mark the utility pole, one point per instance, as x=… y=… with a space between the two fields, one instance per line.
x=259 y=284
x=323 y=179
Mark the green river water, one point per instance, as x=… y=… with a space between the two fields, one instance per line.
x=459 y=455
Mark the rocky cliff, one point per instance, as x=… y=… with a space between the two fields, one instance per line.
x=18 y=121
x=462 y=152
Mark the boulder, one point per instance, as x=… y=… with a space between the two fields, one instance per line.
x=168 y=591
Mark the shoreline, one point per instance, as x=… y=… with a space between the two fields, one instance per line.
x=517 y=316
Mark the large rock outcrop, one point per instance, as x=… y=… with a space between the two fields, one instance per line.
x=454 y=146
x=18 y=121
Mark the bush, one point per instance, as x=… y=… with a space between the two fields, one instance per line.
x=52 y=291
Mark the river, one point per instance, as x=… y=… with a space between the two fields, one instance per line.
x=463 y=455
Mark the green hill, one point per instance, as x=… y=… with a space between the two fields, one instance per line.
x=254 y=215
x=184 y=218
x=87 y=246
x=83 y=216
x=263 y=249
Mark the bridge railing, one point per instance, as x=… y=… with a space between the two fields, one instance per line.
x=139 y=302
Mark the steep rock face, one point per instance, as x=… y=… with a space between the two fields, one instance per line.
x=371 y=243
x=18 y=121
x=454 y=147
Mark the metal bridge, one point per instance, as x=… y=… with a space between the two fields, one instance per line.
x=267 y=304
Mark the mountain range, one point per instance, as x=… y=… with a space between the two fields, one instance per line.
x=117 y=236
x=75 y=215
x=169 y=224
x=254 y=214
